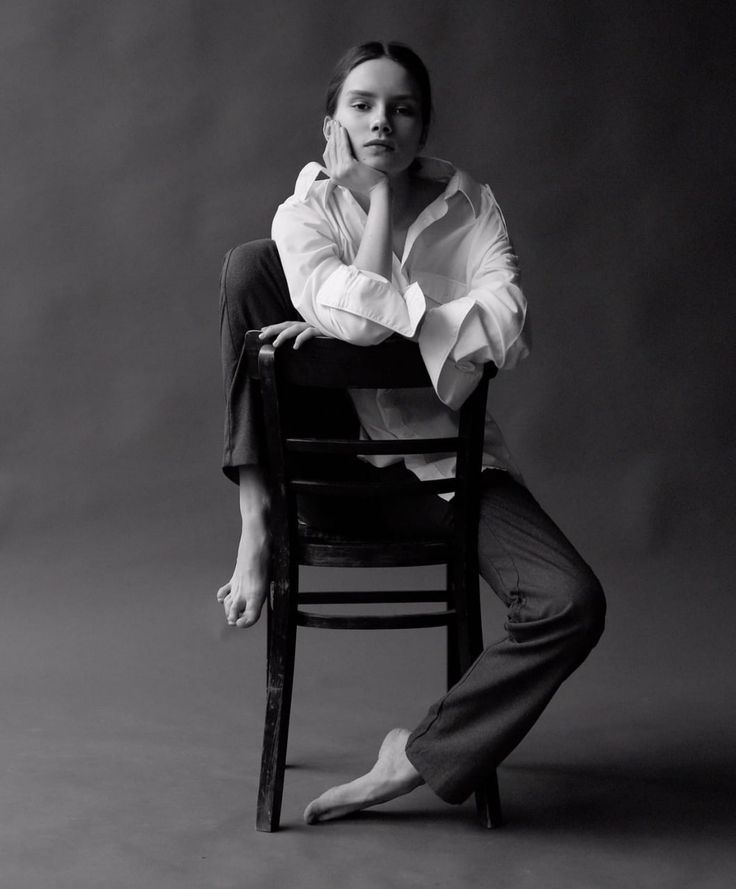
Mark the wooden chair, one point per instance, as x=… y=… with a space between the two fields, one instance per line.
x=331 y=363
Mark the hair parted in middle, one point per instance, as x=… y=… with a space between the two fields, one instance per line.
x=398 y=52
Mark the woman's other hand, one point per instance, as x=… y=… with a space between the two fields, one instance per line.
x=299 y=331
x=343 y=166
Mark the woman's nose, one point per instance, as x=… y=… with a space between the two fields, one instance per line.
x=380 y=123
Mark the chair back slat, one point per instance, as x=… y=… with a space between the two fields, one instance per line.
x=371 y=489
x=375 y=621
x=366 y=446
x=376 y=554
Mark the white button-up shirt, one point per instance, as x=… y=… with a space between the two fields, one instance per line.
x=455 y=290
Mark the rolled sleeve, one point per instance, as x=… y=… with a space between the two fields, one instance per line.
x=457 y=339
x=487 y=324
x=336 y=297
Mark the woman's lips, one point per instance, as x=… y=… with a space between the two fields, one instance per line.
x=381 y=146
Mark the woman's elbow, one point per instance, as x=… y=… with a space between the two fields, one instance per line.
x=360 y=331
x=370 y=337
x=341 y=324
x=515 y=353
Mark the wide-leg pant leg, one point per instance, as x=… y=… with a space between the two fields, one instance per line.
x=555 y=617
x=253 y=294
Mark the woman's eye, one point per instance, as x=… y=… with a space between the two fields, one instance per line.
x=404 y=109
x=360 y=106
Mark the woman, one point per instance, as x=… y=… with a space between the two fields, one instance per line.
x=390 y=242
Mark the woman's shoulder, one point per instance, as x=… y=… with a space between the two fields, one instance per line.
x=312 y=183
x=308 y=202
x=308 y=207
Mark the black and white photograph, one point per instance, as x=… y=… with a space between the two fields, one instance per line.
x=368 y=450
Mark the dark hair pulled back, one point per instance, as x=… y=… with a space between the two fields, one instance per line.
x=397 y=52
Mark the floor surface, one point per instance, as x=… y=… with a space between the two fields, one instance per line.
x=132 y=724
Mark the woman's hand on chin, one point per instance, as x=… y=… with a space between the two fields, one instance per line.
x=344 y=168
x=299 y=331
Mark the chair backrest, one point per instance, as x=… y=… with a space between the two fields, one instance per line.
x=324 y=362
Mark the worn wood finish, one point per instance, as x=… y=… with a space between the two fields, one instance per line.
x=282 y=623
x=324 y=360
x=377 y=554
x=396 y=363
x=282 y=617
x=351 y=597
x=371 y=489
x=349 y=446
x=375 y=621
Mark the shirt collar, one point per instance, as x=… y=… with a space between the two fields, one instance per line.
x=306 y=179
x=457 y=180
x=429 y=168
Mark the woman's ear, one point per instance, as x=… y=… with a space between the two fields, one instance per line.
x=327 y=127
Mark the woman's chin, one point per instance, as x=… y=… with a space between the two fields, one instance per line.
x=384 y=164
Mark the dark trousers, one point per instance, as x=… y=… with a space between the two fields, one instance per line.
x=253 y=294
x=556 y=606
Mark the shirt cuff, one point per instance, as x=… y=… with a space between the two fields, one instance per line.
x=372 y=297
x=453 y=381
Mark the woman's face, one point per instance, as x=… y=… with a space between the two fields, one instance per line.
x=379 y=106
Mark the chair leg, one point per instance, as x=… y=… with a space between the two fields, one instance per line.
x=488 y=803
x=280 y=672
x=453 y=664
x=468 y=646
x=269 y=633
x=453 y=652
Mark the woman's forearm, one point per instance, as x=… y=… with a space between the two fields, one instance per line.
x=374 y=254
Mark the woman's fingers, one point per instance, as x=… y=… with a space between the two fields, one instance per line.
x=329 y=153
x=343 y=165
x=299 y=331
x=338 y=154
x=273 y=329
x=343 y=158
x=289 y=334
x=305 y=335
x=223 y=591
x=343 y=146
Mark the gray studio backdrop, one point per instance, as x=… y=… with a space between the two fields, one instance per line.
x=141 y=140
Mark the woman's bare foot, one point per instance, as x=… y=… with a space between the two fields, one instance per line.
x=392 y=775
x=241 y=609
x=243 y=596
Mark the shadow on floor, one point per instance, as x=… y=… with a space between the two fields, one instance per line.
x=671 y=798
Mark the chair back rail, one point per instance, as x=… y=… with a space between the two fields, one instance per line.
x=330 y=363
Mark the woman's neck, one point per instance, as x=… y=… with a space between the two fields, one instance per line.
x=401 y=196
x=401 y=189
